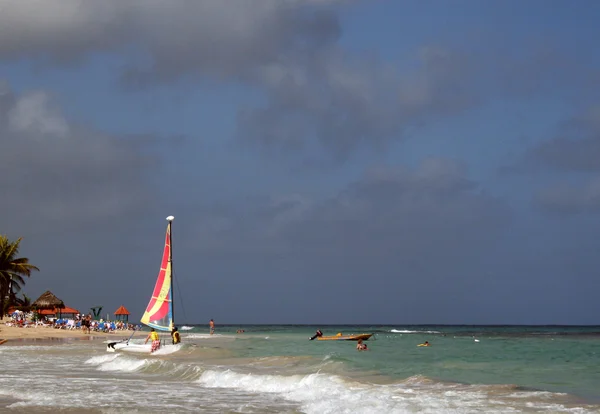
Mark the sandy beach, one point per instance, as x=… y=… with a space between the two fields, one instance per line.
x=15 y=334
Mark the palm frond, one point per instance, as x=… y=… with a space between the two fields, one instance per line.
x=13 y=269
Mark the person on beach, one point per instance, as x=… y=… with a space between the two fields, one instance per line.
x=153 y=336
x=360 y=346
x=175 y=335
x=86 y=324
x=211 y=324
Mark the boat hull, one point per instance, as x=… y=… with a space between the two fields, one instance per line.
x=364 y=337
x=128 y=347
x=131 y=347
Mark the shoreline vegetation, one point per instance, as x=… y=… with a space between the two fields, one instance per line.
x=13 y=271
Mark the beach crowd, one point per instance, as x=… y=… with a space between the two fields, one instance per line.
x=78 y=321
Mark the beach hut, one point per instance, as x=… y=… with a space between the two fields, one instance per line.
x=48 y=301
x=60 y=312
x=122 y=314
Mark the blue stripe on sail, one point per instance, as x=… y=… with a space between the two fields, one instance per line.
x=159 y=327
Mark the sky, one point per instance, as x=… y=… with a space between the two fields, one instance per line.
x=326 y=161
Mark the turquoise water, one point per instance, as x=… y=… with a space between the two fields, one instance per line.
x=559 y=359
x=276 y=369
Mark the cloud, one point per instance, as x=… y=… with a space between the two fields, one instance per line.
x=394 y=230
x=343 y=102
x=33 y=114
x=393 y=214
x=564 y=198
x=63 y=172
x=229 y=40
x=316 y=93
x=575 y=149
x=79 y=197
x=575 y=153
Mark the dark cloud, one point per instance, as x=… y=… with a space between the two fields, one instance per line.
x=78 y=196
x=229 y=40
x=394 y=231
x=64 y=172
x=571 y=198
x=316 y=93
x=344 y=103
x=416 y=245
x=576 y=149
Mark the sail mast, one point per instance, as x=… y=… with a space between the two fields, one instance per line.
x=170 y=220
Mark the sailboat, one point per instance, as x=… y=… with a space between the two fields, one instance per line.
x=159 y=312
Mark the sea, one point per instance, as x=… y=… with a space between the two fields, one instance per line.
x=277 y=369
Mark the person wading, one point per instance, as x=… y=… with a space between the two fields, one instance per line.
x=175 y=335
x=153 y=336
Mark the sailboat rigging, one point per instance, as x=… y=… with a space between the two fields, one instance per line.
x=159 y=313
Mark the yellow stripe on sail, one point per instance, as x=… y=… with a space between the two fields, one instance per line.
x=162 y=296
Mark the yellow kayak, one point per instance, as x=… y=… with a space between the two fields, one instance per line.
x=340 y=337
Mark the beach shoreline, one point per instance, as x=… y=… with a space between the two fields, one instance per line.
x=20 y=336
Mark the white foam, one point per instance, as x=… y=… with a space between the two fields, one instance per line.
x=123 y=364
x=186 y=328
x=100 y=359
x=406 y=331
x=317 y=393
x=203 y=336
x=324 y=393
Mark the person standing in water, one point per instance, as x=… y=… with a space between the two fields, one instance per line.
x=175 y=335
x=360 y=346
x=211 y=324
x=153 y=336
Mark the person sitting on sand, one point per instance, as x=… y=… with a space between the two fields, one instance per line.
x=360 y=346
x=153 y=335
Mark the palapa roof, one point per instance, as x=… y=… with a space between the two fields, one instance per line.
x=65 y=310
x=48 y=300
x=122 y=311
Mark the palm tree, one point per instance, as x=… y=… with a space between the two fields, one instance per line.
x=24 y=301
x=21 y=303
x=12 y=270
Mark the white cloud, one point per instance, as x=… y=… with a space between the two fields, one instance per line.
x=32 y=114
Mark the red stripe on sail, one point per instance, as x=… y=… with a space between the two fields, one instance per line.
x=161 y=274
x=161 y=312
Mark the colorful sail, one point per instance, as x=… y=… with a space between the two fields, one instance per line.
x=159 y=312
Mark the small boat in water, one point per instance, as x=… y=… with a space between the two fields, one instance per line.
x=340 y=337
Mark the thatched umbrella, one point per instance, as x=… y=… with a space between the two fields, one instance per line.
x=48 y=301
x=122 y=313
